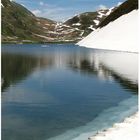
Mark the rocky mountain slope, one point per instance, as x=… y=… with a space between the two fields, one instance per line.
x=123 y=9
x=19 y=25
x=89 y=21
x=118 y=31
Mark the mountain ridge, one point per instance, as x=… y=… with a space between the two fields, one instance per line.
x=118 y=31
x=19 y=25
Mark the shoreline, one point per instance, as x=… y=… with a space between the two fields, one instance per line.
x=127 y=130
x=39 y=42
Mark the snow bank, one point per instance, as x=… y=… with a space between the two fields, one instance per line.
x=128 y=130
x=103 y=121
x=120 y=35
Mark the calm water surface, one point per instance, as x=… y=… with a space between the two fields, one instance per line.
x=64 y=92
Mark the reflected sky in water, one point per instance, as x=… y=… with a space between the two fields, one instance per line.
x=50 y=89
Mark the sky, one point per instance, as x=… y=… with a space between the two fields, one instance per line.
x=61 y=10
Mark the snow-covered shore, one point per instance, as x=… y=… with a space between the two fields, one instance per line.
x=127 y=130
x=120 y=35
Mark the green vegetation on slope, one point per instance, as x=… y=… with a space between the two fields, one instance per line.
x=18 y=23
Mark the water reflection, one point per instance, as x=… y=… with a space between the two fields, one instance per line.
x=17 y=67
x=48 y=91
x=118 y=66
x=107 y=65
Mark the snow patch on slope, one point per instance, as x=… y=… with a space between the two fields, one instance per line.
x=77 y=24
x=120 y=35
x=109 y=12
x=96 y=22
x=119 y=3
x=91 y=27
x=2 y=5
x=100 y=14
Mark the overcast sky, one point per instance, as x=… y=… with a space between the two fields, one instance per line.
x=61 y=10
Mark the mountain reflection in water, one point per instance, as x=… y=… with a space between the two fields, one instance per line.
x=107 y=65
x=58 y=89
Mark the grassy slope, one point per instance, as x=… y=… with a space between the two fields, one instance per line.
x=20 y=24
x=17 y=21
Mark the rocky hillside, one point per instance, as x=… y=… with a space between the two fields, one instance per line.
x=123 y=9
x=118 y=31
x=89 y=21
x=19 y=25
